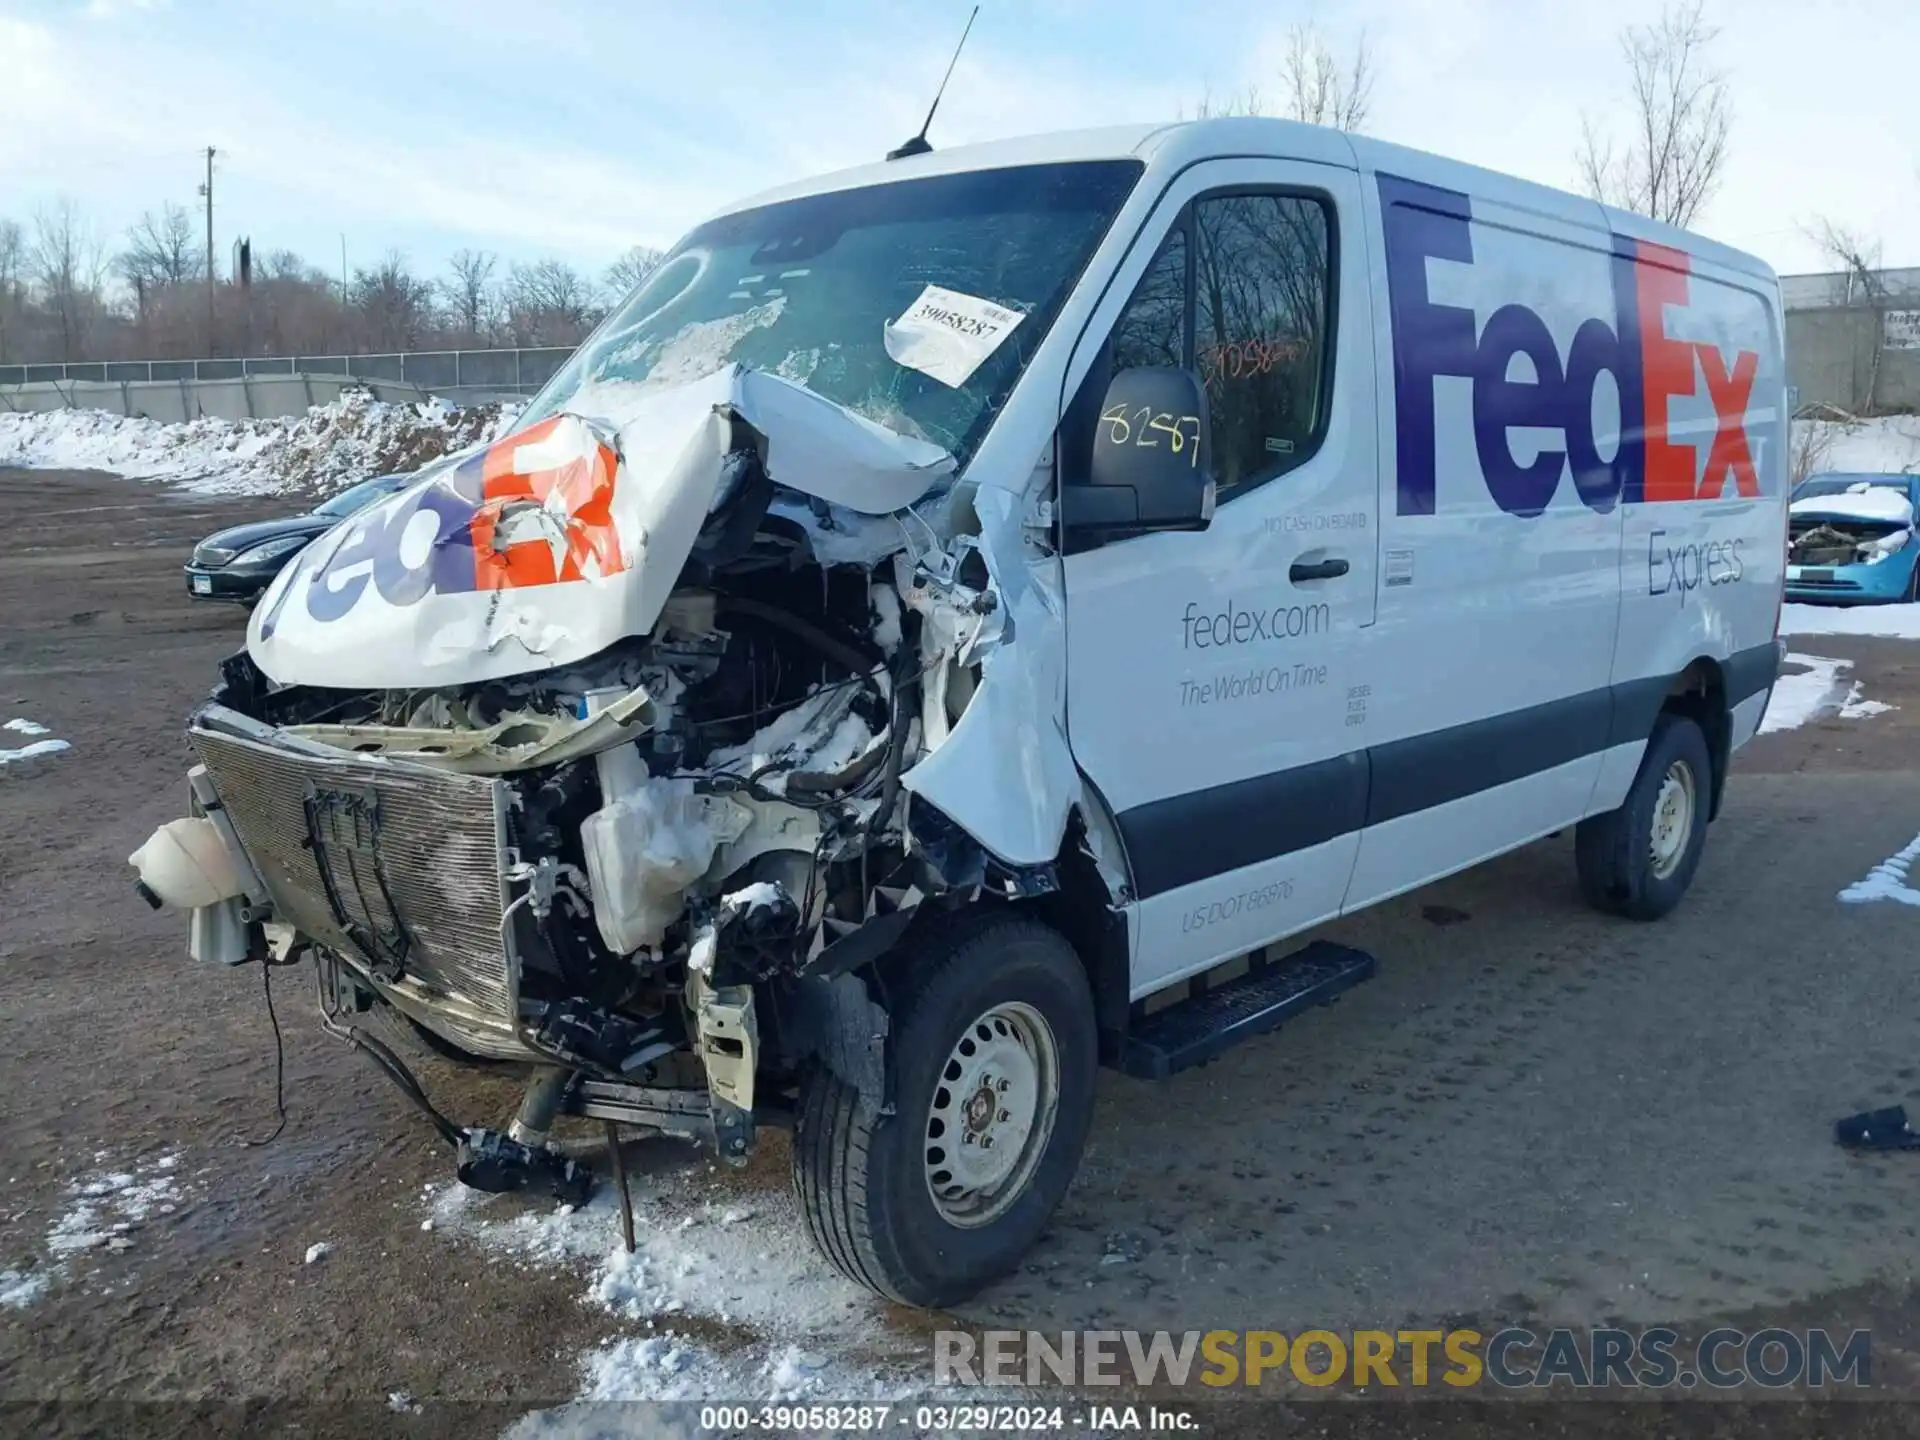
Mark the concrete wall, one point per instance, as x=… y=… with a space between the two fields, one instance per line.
x=171 y=401
x=1830 y=356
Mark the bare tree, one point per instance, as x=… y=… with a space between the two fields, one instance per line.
x=395 y=305
x=470 y=290
x=287 y=265
x=67 y=263
x=1316 y=85
x=548 y=303
x=1670 y=165
x=1318 y=88
x=161 y=249
x=1209 y=107
x=1814 y=437
x=1858 y=258
x=627 y=273
x=13 y=259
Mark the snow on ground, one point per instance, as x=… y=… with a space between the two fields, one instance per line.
x=19 y=725
x=1799 y=695
x=725 y=1296
x=1857 y=707
x=1887 y=880
x=104 y=1211
x=20 y=1288
x=1894 y=622
x=331 y=446
x=1886 y=443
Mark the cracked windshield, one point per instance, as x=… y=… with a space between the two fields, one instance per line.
x=915 y=304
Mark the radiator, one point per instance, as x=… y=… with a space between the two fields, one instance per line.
x=396 y=867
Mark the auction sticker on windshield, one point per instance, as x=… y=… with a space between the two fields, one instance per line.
x=948 y=334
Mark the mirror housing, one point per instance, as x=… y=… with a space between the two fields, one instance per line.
x=1148 y=466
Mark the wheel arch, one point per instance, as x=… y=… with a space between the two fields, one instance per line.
x=1089 y=908
x=1699 y=692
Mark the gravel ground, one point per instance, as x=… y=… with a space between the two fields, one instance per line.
x=1532 y=1115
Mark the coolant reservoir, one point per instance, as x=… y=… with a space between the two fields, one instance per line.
x=642 y=851
x=186 y=863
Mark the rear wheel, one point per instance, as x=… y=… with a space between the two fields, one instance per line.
x=992 y=1053
x=1638 y=860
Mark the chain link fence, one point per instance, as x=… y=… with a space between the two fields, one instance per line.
x=498 y=372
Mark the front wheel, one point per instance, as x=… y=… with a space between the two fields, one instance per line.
x=1638 y=860
x=993 y=1054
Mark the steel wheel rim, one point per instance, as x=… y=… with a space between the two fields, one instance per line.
x=991 y=1115
x=1673 y=810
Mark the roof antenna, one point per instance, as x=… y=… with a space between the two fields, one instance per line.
x=918 y=144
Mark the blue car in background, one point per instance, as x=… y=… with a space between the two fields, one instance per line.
x=1851 y=540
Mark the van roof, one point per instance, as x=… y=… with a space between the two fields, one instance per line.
x=1179 y=143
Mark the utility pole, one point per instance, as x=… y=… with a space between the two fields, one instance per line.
x=207 y=190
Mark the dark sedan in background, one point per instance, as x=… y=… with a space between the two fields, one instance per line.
x=239 y=564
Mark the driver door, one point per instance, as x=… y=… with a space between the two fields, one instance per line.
x=1216 y=679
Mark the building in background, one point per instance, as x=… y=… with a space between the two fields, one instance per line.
x=1853 y=339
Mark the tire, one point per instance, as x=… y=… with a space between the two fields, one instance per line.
x=866 y=1180
x=1629 y=867
x=1913 y=585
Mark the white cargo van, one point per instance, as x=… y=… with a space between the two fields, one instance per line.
x=956 y=600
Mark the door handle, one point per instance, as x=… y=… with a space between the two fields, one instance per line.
x=1316 y=570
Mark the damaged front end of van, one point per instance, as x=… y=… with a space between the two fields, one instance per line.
x=620 y=752
x=586 y=753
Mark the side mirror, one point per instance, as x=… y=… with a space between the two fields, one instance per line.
x=1148 y=468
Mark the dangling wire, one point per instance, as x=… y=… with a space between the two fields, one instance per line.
x=279 y=1059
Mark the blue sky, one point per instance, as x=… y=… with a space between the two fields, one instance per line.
x=578 y=127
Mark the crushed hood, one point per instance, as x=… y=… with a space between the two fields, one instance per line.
x=547 y=546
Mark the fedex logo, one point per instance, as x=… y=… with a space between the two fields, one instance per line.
x=533 y=509
x=1648 y=366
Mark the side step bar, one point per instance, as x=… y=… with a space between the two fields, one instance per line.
x=1212 y=1021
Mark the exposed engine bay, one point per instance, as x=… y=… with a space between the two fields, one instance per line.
x=650 y=869
x=1833 y=541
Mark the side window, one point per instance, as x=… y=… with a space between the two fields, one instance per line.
x=1152 y=330
x=1262 y=275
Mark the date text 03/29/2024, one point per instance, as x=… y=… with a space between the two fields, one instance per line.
x=944 y=1419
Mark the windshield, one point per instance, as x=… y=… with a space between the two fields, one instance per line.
x=832 y=292
x=358 y=497
x=1840 y=484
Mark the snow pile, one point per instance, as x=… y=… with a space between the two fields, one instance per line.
x=103 y=1211
x=354 y=438
x=1888 y=443
x=1892 y=622
x=724 y=1297
x=21 y=726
